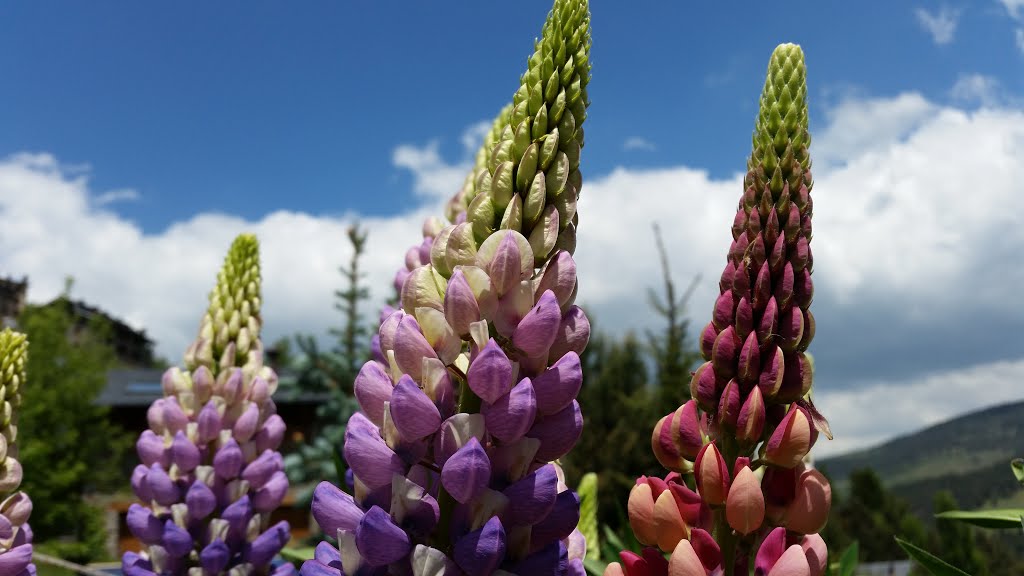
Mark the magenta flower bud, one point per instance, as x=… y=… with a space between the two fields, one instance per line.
x=707 y=550
x=227 y=462
x=750 y=423
x=744 y=319
x=466 y=473
x=707 y=340
x=749 y=366
x=184 y=453
x=538 y=329
x=511 y=416
x=704 y=387
x=723 y=314
x=729 y=405
x=490 y=373
x=772 y=373
x=791 y=440
x=412 y=412
x=712 y=475
x=725 y=353
x=797 y=379
x=460 y=305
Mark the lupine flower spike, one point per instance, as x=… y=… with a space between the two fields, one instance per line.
x=210 y=473
x=750 y=423
x=15 y=533
x=472 y=394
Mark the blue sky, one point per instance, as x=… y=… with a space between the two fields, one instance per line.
x=137 y=140
x=248 y=108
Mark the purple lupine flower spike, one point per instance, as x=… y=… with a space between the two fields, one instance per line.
x=16 y=507
x=472 y=395
x=210 y=473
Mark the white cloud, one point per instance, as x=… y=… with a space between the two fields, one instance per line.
x=874 y=413
x=119 y=195
x=976 y=88
x=1019 y=36
x=918 y=224
x=1013 y=7
x=941 y=25
x=638 y=143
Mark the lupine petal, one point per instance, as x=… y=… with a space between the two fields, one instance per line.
x=379 y=540
x=200 y=500
x=490 y=373
x=559 y=522
x=559 y=385
x=467 y=472
x=481 y=551
x=412 y=412
x=176 y=540
x=372 y=387
x=143 y=525
x=511 y=416
x=227 y=462
x=558 y=432
x=269 y=496
x=538 y=329
x=534 y=496
x=334 y=510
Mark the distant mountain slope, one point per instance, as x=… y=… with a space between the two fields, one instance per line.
x=968 y=456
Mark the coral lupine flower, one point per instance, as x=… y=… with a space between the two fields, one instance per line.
x=752 y=391
x=15 y=533
x=210 y=473
x=472 y=393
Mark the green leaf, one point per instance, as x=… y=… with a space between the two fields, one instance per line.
x=595 y=567
x=1010 y=518
x=848 y=561
x=935 y=566
x=613 y=538
x=1017 y=465
x=297 y=554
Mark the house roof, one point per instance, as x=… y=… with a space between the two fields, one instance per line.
x=140 y=387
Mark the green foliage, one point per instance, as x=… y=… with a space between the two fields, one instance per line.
x=848 y=561
x=587 y=525
x=332 y=373
x=674 y=357
x=617 y=406
x=956 y=540
x=934 y=565
x=67 y=446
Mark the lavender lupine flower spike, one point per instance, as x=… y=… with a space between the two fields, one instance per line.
x=750 y=406
x=15 y=533
x=472 y=394
x=210 y=473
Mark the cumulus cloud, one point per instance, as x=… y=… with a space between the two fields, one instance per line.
x=941 y=25
x=971 y=88
x=638 y=143
x=917 y=229
x=908 y=406
x=1013 y=7
x=119 y=195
